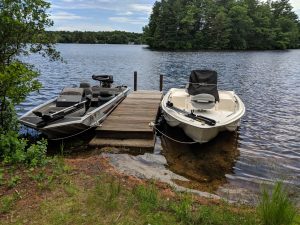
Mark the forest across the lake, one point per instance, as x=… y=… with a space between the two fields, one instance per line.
x=100 y=37
x=223 y=24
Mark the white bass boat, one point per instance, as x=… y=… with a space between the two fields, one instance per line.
x=202 y=110
x=76 y=109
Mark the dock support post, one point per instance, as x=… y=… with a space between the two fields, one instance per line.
x=135 y=81
x=161 y=80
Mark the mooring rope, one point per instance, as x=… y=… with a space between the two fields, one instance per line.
x=73 y=135
x=202 y=84
x=151 y=124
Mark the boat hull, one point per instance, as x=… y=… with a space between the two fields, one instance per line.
x=198 y=134
x=75 y=126
x=198 y=131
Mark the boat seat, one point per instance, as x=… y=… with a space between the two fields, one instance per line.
x=95 y=91
x=202 y=101
x=87 y=88
x=69 y=97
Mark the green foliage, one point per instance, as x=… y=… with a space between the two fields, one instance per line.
x=40 y=176
x=36 y=154
x=13 y=181
x=218 y=36
x=222 y=24
x=8 y=118
x=276 y=208
x=23 y=24
x=101 y=37
x=1 y=176
x=13 y=150
x=242 y=27
x=17 y=80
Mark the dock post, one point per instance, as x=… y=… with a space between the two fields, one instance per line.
x=161 y=80
x=135 y=81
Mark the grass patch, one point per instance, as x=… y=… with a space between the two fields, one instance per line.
x=208 y=215
x=147 y=197
x=70 y=189
x=82 y=197
x=16 y=180
x=106 y=200
x=183 y=209
x=7 y=202
x=59 y=166
x=106 y=193
x=276 y=208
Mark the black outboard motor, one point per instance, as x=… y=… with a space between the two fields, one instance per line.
x=105 y=80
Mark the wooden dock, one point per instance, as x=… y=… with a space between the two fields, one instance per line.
x=128 y=125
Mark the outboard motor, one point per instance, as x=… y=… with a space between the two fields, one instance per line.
x=105 y=80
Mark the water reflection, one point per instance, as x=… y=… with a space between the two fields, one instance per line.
x=205 y=165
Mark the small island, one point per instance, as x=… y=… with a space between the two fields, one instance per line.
x=223 y=25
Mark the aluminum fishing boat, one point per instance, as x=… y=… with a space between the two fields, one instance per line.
x=202 y=110
x=76 y=109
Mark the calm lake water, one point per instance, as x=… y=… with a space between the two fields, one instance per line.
x=264 y=149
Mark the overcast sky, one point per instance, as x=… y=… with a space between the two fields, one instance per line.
x=107 y=15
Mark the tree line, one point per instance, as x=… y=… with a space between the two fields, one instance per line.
x=222 y=24
x=101 y=37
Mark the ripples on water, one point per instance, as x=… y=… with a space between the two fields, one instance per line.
x=267 y=81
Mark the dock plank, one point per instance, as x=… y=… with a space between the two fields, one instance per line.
x=131 y=120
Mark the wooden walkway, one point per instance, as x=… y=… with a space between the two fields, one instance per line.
x=128 y=125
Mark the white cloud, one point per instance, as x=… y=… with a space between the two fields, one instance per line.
x=120 y=19
x=83 y=27
x=62 y=15
x=295 y=4
x=143 y=8
x=121 y=7
x=128 y=13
